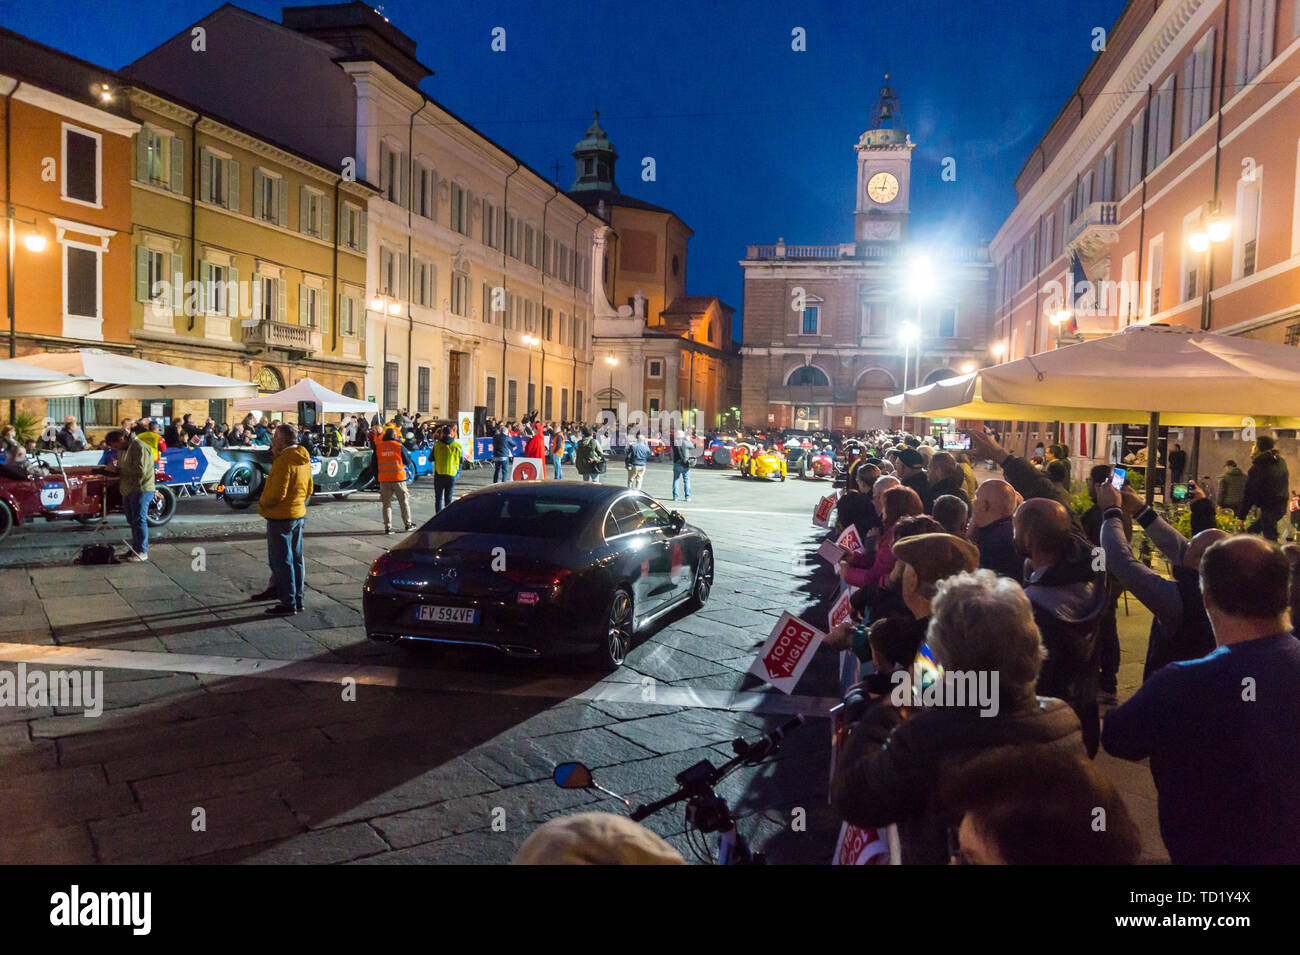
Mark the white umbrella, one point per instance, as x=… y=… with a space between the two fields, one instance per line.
x=1189 y=378
x=20 y=380
x=306 y=390
x=112 y=376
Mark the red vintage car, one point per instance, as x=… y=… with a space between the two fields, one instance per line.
x=84 y=494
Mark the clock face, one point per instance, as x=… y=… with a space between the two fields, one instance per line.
x=882 y=187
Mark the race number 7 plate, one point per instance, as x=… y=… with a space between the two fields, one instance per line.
x=427 y=614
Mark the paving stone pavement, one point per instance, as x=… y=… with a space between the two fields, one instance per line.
x=448 y=758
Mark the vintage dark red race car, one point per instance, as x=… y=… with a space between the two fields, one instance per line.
x=84 y=494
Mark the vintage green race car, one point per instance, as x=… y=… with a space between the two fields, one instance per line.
x=339 y=475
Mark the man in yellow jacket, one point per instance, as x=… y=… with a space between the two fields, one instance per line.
x=284 y=505
x=447 y=454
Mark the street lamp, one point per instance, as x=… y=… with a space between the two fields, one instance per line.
x=530 y=341
x=908 y=335
x=35 y=242
x=999 y=349
x=1214 y=229
x=385 y=305
x=611 y=361
x=967 y=368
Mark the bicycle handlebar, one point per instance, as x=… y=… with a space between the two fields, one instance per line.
x=747 y=754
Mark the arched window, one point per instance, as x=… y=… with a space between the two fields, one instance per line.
x=269 y=381
x=350 y=390
x=939 y=375
x=808 y=375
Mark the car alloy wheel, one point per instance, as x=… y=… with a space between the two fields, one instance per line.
x=703 y=578
x=618 y=639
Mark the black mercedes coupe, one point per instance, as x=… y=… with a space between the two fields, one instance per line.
x=548 y=568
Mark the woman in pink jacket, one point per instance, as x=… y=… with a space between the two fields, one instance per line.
x=900 y=502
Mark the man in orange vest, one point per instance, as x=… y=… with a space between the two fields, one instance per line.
x=391 y=462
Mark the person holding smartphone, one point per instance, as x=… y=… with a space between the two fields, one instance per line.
x=1028 y=481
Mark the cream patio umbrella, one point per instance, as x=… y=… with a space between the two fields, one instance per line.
x=114 y=376
x=20 y=380
x=1159 y=374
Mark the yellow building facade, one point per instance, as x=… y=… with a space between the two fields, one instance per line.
x=248 y=260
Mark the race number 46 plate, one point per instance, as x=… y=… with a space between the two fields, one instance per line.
x=426 y=614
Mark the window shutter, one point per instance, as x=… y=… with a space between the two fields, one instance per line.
x=1185 y=126
x=205 y=286
x=257 y=298
x=404 y=191
x=433 y=194
x=205 y=176
x=282 y=197
x=178 y=165
x=303 y=318
x=345 y=234
x=142 y=274
x=279 y=291
x=402 y=290
x=362 y=316
x=1243 y=48
x=383 y=167
x=501 y=226
x=324 y=301
x=142 y=142
x=326 y=220
x=1266 y=33
x=304 y=206
x=257 y=193
x=232 y=185
x=361 y=230
x=232 y=301
x=178 y=281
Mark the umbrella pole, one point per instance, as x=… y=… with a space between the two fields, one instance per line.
x=1153 y=430
x=1195 y=463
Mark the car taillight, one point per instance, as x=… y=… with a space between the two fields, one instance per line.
x=538 y=578
x=390 y=564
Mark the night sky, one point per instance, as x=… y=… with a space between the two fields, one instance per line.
x=751 y=140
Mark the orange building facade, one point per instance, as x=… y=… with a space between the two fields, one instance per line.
x=66 y=161
x=1168 y=184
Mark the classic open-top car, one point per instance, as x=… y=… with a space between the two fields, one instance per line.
x=84 y=494
x=762 y=463
x=816 y=463
x=339 y=474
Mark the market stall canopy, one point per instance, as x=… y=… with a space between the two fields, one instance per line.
x=1189 y=377
x=20 y=380
x=112 y=376
x=305 y=390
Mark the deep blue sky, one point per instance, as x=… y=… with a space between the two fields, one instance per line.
x=751 y=140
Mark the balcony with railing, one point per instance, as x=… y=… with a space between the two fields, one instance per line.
x=1094 y=229
x=282 y=335
x=869 y=251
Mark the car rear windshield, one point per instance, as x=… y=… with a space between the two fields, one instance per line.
x=552 y=516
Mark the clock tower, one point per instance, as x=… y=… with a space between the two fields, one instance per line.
x=884 y=174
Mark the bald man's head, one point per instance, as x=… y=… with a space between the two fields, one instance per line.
x=1199 y=544
x=1042 y=529
x=994 y=500
x=1245 y=577
x=883 y=484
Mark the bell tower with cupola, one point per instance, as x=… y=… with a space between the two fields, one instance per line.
x=884 y=173
x=594 y=159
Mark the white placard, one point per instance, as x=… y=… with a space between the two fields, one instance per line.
x=787 y=652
